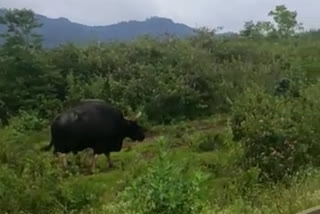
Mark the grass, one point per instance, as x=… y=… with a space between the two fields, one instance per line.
x=227 y=189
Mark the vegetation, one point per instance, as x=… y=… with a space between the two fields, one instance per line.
x=233 y=121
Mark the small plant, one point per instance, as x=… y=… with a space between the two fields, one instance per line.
x=165 y=188
x=27 y=121
x=205 y=142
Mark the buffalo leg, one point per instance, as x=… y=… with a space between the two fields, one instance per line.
x=109 y=160
x=93 y=163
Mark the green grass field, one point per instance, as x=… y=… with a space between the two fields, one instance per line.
x=226 y=189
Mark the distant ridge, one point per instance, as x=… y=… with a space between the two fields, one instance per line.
x=61 y=30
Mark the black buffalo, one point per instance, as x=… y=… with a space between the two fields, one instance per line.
x=93 y=124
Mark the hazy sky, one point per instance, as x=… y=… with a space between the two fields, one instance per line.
x=228 y=13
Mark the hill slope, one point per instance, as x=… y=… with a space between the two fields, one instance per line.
x=61 y=30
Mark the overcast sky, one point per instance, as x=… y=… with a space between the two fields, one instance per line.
x=231 y=14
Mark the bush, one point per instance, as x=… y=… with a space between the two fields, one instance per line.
x=205 y=142
x=280 y=134
x=32 y=187
x=165 y=187
x=27 y=121
x=77 y=195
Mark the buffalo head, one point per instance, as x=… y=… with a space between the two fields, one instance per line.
x=135 y=131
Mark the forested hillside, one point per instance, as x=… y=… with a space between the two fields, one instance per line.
x=61 y=30
x=233 y=122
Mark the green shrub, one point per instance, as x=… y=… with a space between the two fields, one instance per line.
x=32 y=187
x=27 y=121
x=77 y=195
x=165 y=187
x=205 y=142
x=280 y=134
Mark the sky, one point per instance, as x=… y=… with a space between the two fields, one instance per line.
x=231 y=14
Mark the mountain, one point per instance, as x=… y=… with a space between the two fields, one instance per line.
x=62 y=30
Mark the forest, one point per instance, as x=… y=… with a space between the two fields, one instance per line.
x=232 y=120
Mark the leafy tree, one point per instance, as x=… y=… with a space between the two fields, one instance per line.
x=205 y=38
x=285 y=25
x=286 y=20
x=264 y=28
x=249 y=29
x=27 y=81
x=20 y=25
x=255 y=30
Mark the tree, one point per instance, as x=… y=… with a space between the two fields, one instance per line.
x=259 y=29
x=19 y=29
x=249 y=29
x=264 y=28
x=285 y=25
x=205 y=37
x=285 y=20
x=27 y=81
